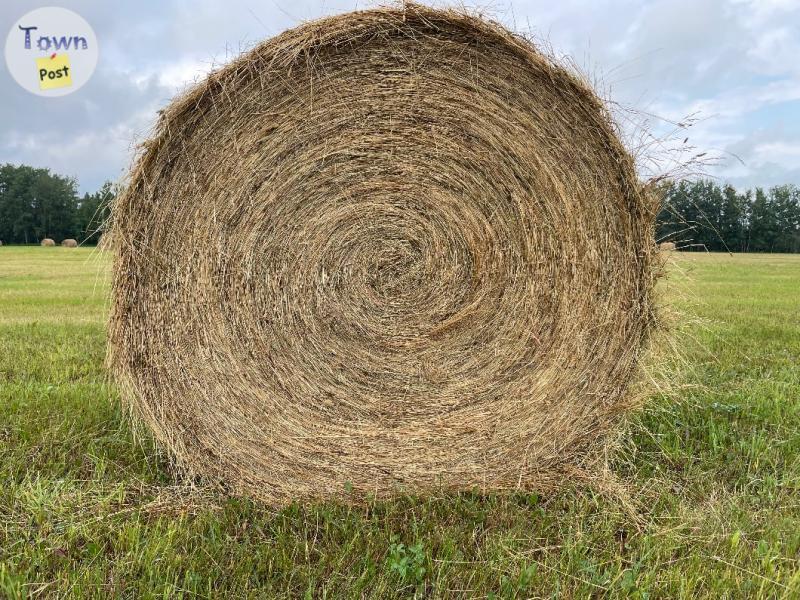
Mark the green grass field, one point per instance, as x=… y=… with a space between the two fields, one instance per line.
x=88 y=507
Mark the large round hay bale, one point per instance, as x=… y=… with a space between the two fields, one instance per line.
x=47 y=242
x=69 y=243
x=394 y=249
x=666 y=246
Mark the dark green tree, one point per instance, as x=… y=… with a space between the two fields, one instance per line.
x=93 y=212
x=732 y=220
x=17 y=215
x=35 y=204
x=785 y=206
x=763 y=224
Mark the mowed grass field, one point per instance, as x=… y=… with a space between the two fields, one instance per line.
x=89 y=508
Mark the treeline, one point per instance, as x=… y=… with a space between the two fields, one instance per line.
x=37 y=204
x=695 y=215
x=702 y=215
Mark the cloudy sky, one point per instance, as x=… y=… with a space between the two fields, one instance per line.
x=731 y=66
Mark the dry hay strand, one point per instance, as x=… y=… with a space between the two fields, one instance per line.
x=105 y=243
x=397 y=249
x=666 y=246
x=47 y=242
x=69 y=243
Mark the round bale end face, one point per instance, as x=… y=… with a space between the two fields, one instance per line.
x=47 y=242
x=427 y=263
x=69 y=243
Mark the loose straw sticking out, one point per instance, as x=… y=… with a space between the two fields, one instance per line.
x=105 y=242
x=396 y=249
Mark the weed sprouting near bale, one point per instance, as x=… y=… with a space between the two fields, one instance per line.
x=69 y=243
x=47 y=242
x=397 y=249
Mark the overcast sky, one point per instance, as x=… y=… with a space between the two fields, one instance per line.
x=732 y=64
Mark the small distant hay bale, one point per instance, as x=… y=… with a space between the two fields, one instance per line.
x=69 y=243
x=426 y=263
x=666 y=246
x=47 y=242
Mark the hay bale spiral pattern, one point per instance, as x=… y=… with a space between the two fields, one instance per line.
x=394 y=249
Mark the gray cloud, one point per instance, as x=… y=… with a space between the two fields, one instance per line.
x=731 y=62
